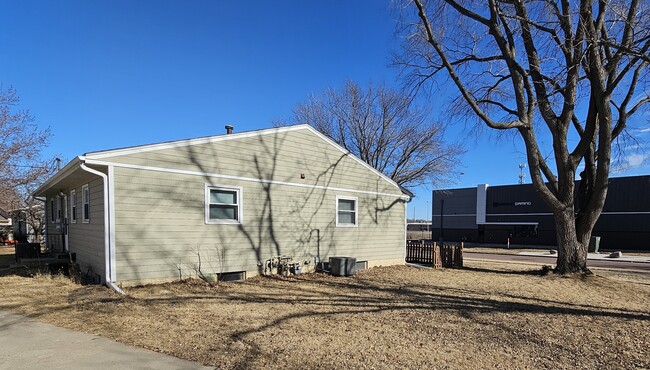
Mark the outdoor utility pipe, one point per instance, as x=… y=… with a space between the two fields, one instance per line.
x=107 y=231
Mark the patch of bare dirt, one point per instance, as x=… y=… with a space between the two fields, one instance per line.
x=483 y=316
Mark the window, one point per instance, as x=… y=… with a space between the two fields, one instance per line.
x=85 y=199
x=73 y=206
x=525 y=231
x=346 y=212
x=59 y=212
x=223 y=205
x=52 y=210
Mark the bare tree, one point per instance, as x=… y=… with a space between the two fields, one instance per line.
x=572 y=71
x=22 y=142
x=386 y=130
x=21 y=167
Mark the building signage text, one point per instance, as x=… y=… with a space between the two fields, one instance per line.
x=521 y=203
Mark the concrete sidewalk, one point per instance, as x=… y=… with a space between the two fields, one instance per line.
x=29 y=344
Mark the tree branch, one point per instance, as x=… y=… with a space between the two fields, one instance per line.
x=450 y=69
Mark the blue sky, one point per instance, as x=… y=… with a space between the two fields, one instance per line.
x=108 y=74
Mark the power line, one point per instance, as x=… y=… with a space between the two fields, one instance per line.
x=26 y=166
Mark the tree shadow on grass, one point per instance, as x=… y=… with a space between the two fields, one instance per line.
x=351 y=299
x=541 y=271
x=368 y=297
x=320 y=297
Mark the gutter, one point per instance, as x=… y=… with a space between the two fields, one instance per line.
x=107 y=231
x=407 y=192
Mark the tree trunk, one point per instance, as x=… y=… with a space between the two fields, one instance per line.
x=572 y=253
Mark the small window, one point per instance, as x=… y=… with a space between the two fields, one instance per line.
x=85 y=199
x=223 y=205
x=346 y=212
x=59 y=211
x=73 y=206
x=52 y=210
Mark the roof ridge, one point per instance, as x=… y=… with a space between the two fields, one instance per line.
x=192 y=141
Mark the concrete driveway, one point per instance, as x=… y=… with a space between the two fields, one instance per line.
x=28 y=344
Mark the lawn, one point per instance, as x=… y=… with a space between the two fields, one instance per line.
x=483 y=316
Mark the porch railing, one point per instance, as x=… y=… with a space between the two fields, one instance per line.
x=55 y=243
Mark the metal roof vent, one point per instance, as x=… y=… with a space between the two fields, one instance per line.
x=229 y=129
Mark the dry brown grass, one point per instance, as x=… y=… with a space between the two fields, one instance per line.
x=484 y=316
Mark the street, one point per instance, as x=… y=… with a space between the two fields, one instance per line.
x=550 y=260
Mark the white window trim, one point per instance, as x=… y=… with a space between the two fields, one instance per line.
x=356 y=211
x=85 y=217
x=73 y=207
x=240 y=204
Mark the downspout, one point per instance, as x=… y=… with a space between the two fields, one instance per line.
x=409 y=198
x=107 y=231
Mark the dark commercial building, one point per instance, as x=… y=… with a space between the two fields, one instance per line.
x=492 y=214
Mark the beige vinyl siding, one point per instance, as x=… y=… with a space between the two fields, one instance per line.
x=281 y=157
x=160 y=226
x=87 y=239
x=160 y=217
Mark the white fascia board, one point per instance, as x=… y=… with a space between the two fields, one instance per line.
x=60 y=175
x=188 y=142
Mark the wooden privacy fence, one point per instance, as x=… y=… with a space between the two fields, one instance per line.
x=428 y=252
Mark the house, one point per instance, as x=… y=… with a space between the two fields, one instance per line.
x=5 y=218
x=222 y=204
x=28 y=223
x=5 y=226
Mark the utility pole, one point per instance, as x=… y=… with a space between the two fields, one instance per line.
x=427 y=217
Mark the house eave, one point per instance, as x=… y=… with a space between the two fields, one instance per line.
x=407 y=192
x=58 y=176
x=63 y=178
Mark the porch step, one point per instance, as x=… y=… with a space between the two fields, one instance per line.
x=44 y=258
